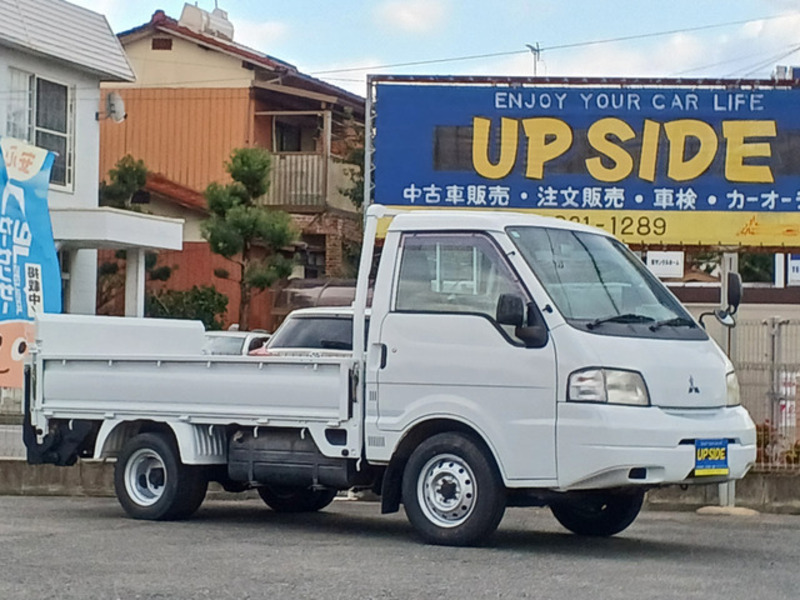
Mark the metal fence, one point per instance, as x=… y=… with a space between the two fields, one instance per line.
x=767 y=359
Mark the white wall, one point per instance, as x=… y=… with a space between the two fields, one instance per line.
x=86 y=128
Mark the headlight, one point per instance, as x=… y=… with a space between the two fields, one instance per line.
x=611 y=386
x=732 y=383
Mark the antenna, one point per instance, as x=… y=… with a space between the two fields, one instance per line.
x=536 y=51
x=115 y=107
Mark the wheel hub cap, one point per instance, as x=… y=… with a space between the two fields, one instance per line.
x=145 y=477
x=446 y=490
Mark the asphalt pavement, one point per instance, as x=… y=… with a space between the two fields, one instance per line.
x=85 y=548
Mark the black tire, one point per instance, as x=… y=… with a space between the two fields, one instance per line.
x=290 y=499
x=152 y=484
x=452 y=491
x=599 y=514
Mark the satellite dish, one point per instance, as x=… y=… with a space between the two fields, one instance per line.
x=115 y=107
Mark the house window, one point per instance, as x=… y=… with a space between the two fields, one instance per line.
x=161 y=44
x=41 y=112
x=287 y=137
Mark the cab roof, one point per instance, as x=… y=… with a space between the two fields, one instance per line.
x=484 y=220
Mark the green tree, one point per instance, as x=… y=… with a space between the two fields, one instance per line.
x=243 y=231
x=128 y=176
x=354 y=161
x=111 y=278
x=202 y=303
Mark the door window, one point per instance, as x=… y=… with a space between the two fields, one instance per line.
x=454 y=273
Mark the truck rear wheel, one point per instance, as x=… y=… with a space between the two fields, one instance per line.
x=598 y=513
x=452 y=491
x=292 y=499
x=151 y=483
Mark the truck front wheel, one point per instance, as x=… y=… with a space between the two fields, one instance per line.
x=151 y=482
x=598 y=513
x=295 y=499
x=452 y=491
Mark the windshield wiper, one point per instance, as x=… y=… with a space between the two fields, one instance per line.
x=623 y=318
x=674 y=322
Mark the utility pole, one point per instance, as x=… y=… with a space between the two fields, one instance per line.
x=535 y=51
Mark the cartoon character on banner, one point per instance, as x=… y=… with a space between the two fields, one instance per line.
x=16 y=333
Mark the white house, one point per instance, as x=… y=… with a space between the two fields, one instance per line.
x=53 y=57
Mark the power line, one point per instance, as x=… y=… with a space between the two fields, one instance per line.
x=737 y=58
x=669 y=32
x=767 y=62
x=421 y=62
x=557 y=47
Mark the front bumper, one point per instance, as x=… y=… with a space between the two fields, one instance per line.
x=602 y=446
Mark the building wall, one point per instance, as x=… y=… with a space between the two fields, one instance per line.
x=191 y=218
x=85 y=140
x=186 y=135
x=196 y=264
x=86 y=132
x=187 y=64
x=337 y=230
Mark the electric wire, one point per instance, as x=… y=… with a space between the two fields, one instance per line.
x=751 y=68
x=738 y=57
x=556 y=47
x=767 y=62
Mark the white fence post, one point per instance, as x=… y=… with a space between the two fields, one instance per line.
x=730 y=264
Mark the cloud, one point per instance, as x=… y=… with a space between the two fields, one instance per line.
x=103 y=7
x=751 y=50
x=412 y=16
x=263 y=36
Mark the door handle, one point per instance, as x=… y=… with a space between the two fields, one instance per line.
x=383 y=355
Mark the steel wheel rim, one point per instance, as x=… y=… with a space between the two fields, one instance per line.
x=446 y=490
x=145 y=477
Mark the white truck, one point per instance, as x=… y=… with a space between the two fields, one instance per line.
x=511 y=360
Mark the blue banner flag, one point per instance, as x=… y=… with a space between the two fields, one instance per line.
x=30 y=278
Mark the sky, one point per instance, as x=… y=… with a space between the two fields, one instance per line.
x=344 y=40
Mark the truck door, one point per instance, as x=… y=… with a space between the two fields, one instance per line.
x=446 y=356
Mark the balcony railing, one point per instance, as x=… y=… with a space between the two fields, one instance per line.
x=297 y=181
x=300 y=181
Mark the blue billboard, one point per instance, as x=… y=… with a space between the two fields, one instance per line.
x=581 y=151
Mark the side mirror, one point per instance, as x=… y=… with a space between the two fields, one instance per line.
x=529 y=328
x=725 y=315
x=510 y=310
x=721 y=315
x=734 y=292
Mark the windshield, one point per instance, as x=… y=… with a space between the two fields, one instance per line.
x=599 y=285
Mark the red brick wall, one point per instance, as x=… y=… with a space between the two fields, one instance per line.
x=194 y=265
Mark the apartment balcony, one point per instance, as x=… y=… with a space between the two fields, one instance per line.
x=307 y=182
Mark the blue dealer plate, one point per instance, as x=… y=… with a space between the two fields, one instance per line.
x=711 y=457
